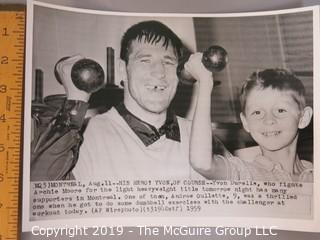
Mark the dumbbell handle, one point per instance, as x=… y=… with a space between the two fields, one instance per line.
x=214 y=59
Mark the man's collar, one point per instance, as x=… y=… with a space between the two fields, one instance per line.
x=148 y=133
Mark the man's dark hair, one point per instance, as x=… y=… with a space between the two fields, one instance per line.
x=152 y=32
x=275 y=78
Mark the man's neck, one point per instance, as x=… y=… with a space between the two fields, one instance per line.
x=154 y=119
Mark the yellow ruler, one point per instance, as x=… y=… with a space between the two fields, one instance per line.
x=12 y=32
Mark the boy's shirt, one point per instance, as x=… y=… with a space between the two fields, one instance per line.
x=264 y=169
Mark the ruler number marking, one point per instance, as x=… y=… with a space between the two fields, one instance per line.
x=2 y=148
x=5 y=32
x=3 y=118
x=3 y=88
x=4 y=60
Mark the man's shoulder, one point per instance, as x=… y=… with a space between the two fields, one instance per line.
x=108 y=115
x=184 y=121
x=104 y=120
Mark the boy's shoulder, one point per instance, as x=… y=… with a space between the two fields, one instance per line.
x=307 y=164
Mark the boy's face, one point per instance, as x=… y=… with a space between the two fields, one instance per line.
x=151 y=76
x=272 y=117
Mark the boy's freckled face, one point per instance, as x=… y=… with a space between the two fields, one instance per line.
x=272 y=118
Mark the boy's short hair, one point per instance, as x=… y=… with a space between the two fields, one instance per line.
x=276 y=78
x=152 y=32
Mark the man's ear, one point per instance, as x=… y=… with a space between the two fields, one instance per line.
x=244 y=122
x=305 y=117
x=122 y=71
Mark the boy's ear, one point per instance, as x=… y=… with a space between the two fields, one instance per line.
x=305 y=117
x=122 y=71
x=244 y=122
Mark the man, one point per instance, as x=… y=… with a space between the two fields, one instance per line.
x=140 y=138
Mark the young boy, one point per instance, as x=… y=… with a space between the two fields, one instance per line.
x=273 y=110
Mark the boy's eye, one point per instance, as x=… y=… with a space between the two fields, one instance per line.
x=280 y=112
x=258 y=114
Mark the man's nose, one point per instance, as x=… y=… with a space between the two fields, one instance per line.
x=158 y=70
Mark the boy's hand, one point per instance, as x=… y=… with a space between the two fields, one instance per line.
x=198 y=71
x=64 y=70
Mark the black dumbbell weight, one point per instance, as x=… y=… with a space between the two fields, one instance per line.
x=215 y=59
x=86 y=74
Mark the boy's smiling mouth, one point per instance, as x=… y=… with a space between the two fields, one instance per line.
x=271 y=133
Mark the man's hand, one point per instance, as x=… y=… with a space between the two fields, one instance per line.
x=198 y=71
x=64 y=70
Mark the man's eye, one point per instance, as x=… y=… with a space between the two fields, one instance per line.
x=169 y=62
x=145 y=60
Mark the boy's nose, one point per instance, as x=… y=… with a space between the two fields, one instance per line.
x=269 y=119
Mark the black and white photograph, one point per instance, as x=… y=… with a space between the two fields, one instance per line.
x=188 y=116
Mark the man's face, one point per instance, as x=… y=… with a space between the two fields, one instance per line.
x=151 y=75
x=272 y=117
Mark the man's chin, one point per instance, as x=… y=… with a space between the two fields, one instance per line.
x=157 y=111
x=156 y=108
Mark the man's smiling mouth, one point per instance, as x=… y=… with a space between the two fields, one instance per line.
x=271 y=133
x=156 y=87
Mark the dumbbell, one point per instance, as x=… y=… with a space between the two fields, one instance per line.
x=86 y=74
x=215 y=59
